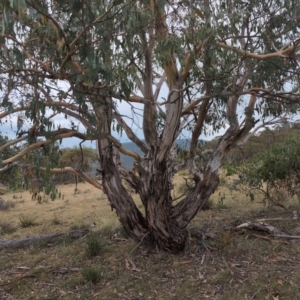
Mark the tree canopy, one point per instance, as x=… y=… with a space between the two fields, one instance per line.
x=203 y=68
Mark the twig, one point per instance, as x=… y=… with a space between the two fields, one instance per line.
x=286 y=236
x=203 y=259
x=138 y=243
x=255 y=294
x=157 y=249
x=227 y=265
x=276 y=219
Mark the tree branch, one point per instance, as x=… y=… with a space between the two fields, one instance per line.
x=199 y=124
x=257 y=91
x=130 y=133
x=264 y=124
x=13 y=142
x=149 y=128
x=158 y=86
x=78 y=173
x=60 y=134
x=80 y=118
x=188 y=59
x=283 y=52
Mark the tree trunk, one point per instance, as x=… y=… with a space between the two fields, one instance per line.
x=120 y=200
x=158 y=206
x=129 y=215
x=185 y=210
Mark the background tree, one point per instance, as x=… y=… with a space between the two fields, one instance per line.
x=201 y=66
x=79 y=158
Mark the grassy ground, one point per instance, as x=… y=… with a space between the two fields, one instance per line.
x=226 y=264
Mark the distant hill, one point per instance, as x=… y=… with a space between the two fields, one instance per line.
x=127 y=161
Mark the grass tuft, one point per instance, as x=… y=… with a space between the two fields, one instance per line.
x=27 y=221
x=80 y=225
x=209 y=204
x=56 y=220
x=94 y=245
x=92 y=274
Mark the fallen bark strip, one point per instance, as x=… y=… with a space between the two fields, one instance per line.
x=48 y=238
x=286 y=236
x=276 y=219
x=261 y=226
x=275 y=232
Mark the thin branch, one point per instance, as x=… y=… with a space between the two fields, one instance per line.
x=199 y=124
x=13 y=142
x=158 y=87
x=78 y=173
x=8 y=167
x=258 y=91
x=80 y=118
x=133 y=98
x=130 y=133
x=188 y=59
x=60 y=134
x=283 y=52
x=264 y=124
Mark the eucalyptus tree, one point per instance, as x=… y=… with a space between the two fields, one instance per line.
x=190 y=66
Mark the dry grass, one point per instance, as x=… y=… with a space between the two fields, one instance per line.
x=229 y=265
x=87 y=208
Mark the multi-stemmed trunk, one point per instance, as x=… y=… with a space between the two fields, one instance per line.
x=161 y=222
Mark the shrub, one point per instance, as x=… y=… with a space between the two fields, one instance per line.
x=274 y=174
